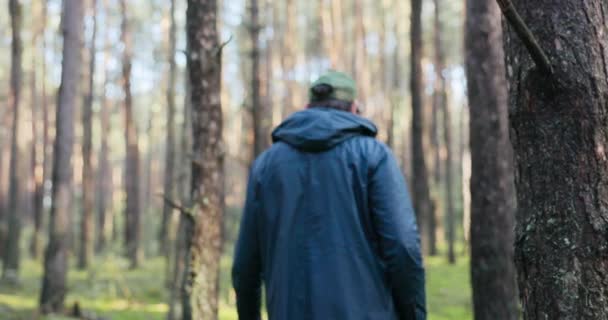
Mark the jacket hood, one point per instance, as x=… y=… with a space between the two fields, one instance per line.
x=319 y=129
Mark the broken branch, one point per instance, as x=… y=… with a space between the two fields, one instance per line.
x=523 y=32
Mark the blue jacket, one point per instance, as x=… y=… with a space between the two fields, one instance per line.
x=328 y=227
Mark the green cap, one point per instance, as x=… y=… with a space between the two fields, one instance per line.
x=344 y=86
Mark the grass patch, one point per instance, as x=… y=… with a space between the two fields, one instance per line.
x=111 y=290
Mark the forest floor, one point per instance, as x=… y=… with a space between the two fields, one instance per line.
x=113 y=292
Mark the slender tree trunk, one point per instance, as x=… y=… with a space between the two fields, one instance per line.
x=180 y=249
x=288 y=60
x=559 y=135
x=10 y=266
x=492 y=189
x=258 y=111
x=104 y=172
x=54 y=286
x=441 y=104
x=420 y=189
x=207 y=188
x=170 y=144
x=132 y=221
x=88 y=175
x=39 y=168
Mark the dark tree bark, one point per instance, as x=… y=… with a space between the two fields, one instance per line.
x=204 y=236
x=559 y=135
x=10 y=266
x=104 y=172
x=88 y=176
x=56 y=256
x=492 y=189
x=132 y=217
x=420 y=184
x=261 y=135
x=40 y=169
x=170 y=143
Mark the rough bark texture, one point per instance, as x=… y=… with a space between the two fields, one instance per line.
x=104 y=172
x=261 y=134
x=88 y=176
x=559 y=135
x=492 y=189
x=10 y=266
x=132 y=214
x=204 y=236
x=420 y=185
x=56 y=256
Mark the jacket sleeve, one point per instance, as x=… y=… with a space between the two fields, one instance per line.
x=246 y=270
x=399 y=242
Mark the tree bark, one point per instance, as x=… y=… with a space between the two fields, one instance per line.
x=261 y=135
x=559 y=135
x=207 y=187
x=492 y=188
x=56 y=256
x=170 y=143
x=10 y=266
x=40 y=168
x=420 y=189
x=132 y=217
x=104 y=172
x=88 y=176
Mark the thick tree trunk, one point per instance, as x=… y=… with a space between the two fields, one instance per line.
x=10 y=266
x=170 y=143
x=207 y=188
x=420 y=188
x=88 y=176
x=104 y=172
x=492 y=189
x=132 y=213
x=559 y=135
x=56 y=256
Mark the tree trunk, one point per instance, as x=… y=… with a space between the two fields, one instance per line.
x=420 y=188
x=289 y=59
x=207 y=187
x=492 y=189
x=40 y=168
x=441 y=105
x=132 y=216
x=56 y=256
x=180 y=249
x=259 y=115
x=104 y=172
x=170 y=144
x=88 y=176
x=10 y=266
x=559 y=135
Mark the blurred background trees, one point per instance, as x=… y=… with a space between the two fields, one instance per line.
x=128 y=129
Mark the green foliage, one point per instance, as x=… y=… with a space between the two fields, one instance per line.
x=111 y=290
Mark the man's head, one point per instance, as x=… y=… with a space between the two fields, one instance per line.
x=334 y=90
